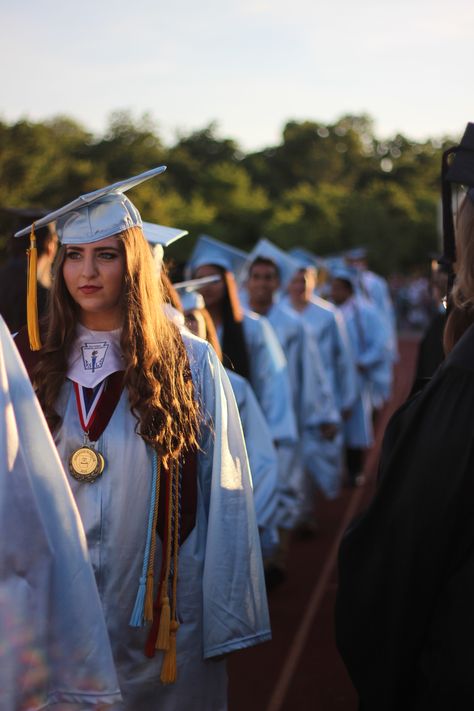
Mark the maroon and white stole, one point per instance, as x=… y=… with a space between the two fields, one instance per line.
x=95 y=406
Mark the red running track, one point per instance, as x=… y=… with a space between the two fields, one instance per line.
x=300 y=669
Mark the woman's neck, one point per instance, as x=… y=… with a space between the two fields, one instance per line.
x=103 y=321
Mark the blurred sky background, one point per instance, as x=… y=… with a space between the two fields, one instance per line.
x=249 y=65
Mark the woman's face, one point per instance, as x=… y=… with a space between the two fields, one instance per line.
x=94 y=276
x=212 y=294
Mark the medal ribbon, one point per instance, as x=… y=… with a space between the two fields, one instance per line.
x=96 y=406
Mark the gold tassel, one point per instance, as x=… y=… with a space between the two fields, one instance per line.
x=168 y=668
x=32 y=295
x=148 y=612
x=163 y=639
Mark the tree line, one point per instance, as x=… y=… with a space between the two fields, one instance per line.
x=325 y=187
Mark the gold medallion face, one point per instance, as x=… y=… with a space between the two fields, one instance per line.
x=85 y=464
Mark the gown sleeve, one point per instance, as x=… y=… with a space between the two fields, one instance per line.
x=235 y=610
x=55 y=647
x=346 y=374
x=270 y=379
x=261 y=452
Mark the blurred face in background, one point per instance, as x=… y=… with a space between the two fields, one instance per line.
x=213 y=294
x=298 y=288
x=341 y=291
x=262 y=283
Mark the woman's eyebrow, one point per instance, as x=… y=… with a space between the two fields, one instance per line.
x=78 y=248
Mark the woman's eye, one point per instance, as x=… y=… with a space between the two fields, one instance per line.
x=73 y=255
x=107 y=255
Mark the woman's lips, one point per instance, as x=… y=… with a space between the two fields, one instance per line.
x=89 y=289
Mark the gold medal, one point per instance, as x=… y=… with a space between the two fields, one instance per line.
x=85 y=464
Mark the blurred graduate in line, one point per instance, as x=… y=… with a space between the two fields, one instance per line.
x=185 y=306
x=261 y=452
x=375 y=289
x=328 y=330
x=146 y=425
x=55 y=650
x=268 y=274
x=368 y=340
x=248 y=342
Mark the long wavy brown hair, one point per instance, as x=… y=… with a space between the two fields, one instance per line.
x=234 y=347
x=157 y=373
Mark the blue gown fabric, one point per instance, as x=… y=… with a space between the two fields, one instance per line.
x=263 y=461
x=368 y=339
x=55 y=651
x=323 y=458
x=269 y=378
x=314 y=405
x=222 y=603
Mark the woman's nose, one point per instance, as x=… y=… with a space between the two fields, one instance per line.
x=89 y=267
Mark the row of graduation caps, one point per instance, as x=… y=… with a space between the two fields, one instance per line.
x=207 y=249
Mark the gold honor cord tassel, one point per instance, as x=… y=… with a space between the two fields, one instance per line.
x=32 y=294
x=169 y=669
x=163 y=639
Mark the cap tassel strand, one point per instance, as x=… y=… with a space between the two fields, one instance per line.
x=32 y=294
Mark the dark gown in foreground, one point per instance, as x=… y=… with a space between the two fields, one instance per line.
x=405 y=605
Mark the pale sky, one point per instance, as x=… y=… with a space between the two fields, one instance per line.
x=249 y=65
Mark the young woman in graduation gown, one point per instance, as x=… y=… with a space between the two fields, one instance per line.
x=122 y=387
x=405 y=612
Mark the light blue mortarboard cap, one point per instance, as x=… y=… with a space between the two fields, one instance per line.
x=346 y=272
x=356 y=253
x=159 y=237
x=97 y=215
x=210 y=251
x=306 y=258
x=286 y=265
x=159 y=234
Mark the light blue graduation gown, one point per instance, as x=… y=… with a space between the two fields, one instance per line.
x=222 y=603
x=323 y=458
x=269 y=378
x=263 y=461
x=368 y=341
x=377 y=292
x=55 y=650
x=314 y=405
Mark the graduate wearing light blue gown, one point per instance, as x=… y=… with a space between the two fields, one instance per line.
x=374 y=289
x=218 y=581
x=327 y=328
x=221 y=591
x=258 y=440
x=268 y=367
x=368 y=339
x=312 y=397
